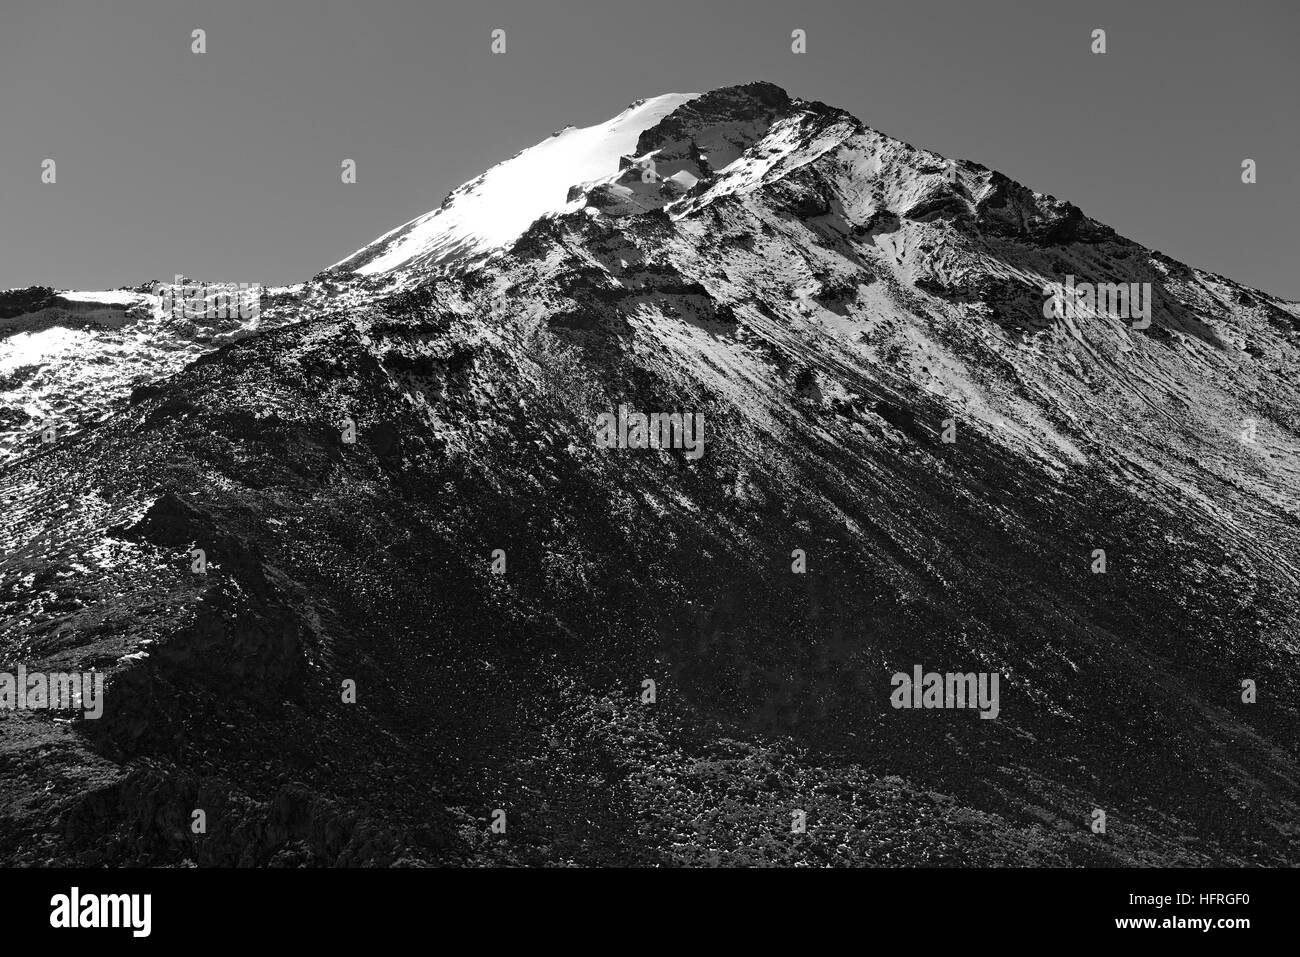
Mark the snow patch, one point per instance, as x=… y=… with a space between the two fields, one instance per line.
x=496 y=208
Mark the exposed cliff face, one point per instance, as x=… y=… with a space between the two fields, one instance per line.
x=834 y=302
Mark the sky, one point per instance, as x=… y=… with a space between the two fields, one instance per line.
x=225 y=166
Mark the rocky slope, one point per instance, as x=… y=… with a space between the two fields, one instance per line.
x=833 y=301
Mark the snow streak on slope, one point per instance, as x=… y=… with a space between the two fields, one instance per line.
x=494 y=209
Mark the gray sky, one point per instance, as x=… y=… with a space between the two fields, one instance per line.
x=225 y=166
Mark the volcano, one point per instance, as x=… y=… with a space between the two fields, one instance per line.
x=366 y=586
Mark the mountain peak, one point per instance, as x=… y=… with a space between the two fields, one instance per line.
x=492 y=210
x=677 y=147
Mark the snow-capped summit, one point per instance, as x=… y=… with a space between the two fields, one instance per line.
x=728 y=141
x=495 y=208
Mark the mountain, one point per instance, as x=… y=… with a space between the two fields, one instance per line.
x=917 y=447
